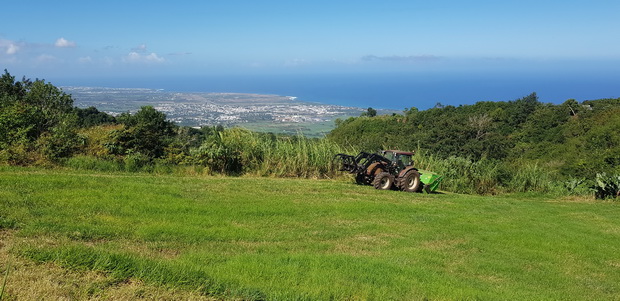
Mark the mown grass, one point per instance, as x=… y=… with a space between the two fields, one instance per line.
x=295 y=239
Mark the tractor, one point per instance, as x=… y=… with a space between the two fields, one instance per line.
x=388 y=169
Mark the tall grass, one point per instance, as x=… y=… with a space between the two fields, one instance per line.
x=239 y=151
x=532 y=176
x=83 y=162
x=300 y=157
x=484 y=176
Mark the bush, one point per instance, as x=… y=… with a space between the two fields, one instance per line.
x=576 y=187
x=61 y=142
x=606 y=187
x=99 y=141
x=231 y=152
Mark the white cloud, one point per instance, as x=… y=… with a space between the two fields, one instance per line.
x=63 y=43
x=154 y=58
x=9 y=47
x=12 y=49
x=135 y=57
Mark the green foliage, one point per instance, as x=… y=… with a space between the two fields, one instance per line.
x=60 y=142
x=297 y=156
x=146 y=132
x=185 y=140
x=16 y=124
x=606 y=186
x=463 y=175
x=90 y=117
x=576 y=187
x=134 y=162
x=231 y=151
x=370 y=134
x=239 y=151
x=37 y=120
x=531 y=176
x=551 y=143
x=370 y=112
x=487 y=148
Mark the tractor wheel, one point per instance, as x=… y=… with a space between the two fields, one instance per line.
x=383 y=181
x=410 y=182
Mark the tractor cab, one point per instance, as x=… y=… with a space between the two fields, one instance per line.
x=400 y=159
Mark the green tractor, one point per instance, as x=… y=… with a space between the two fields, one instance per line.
x=389 y=169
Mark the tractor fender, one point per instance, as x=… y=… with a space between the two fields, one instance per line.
x=406 y=170
x=375 y=169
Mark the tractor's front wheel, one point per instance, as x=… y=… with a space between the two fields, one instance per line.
x=410 y=182
x=383 y=181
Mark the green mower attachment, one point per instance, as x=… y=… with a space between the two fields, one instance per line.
x=430 y=180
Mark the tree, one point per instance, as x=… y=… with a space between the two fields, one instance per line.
x=90 y=117
x=572 y=106
x=370 y=112
x=520 y=109
x=147 y=132
x=36 y=117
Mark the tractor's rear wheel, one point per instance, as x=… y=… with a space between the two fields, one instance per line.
x=383 y=181
x=410 y=182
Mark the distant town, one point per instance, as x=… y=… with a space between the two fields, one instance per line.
x=273 y=113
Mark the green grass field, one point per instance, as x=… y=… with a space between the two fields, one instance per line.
x=290 y=239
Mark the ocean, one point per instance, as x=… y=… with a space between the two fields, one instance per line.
x=386 y=90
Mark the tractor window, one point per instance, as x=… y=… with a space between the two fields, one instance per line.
x=405 y=160
x=389 y=155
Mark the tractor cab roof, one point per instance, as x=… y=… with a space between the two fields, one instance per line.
x=398 y=152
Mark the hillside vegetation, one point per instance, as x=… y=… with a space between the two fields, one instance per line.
x=485 y=148
x=515 y=145
x=130 y=235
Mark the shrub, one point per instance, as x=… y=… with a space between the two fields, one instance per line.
x=606 y=187
x=99 y=140
x=576 y=187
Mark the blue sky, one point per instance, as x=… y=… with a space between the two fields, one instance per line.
x=90 y=39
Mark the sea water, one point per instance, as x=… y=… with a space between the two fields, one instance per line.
x=386 y=90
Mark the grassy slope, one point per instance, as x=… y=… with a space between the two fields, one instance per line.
x=305 y=239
